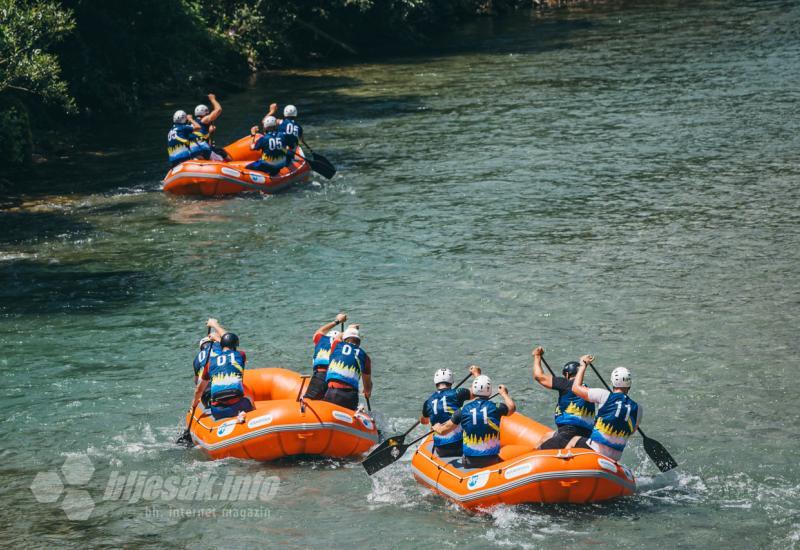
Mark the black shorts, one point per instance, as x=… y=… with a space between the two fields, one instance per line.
x=448 y=450
x=316 y=386
x=347 y=398
x=563 y=436
x=583 y=443
x=481 y=461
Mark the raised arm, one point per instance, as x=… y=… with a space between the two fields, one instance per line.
x=216 y=327
x=577 y=386
x=215 y=112
x=253 y=138
x=340 y=318
x=503 y=391
x=539 y=375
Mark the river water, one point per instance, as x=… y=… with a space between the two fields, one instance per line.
x=618 y=179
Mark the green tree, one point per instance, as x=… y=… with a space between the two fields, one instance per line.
x=27 y=32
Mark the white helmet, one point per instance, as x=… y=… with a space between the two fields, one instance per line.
x=443 y=376
x=333 y=334
x=179 y=117
x=482 y=386
x=289 y=110
x=200 y=110
x=621 y=378
x=269 y=122
x=204 y=340
x=351 y=332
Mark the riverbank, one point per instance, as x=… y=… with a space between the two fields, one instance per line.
x=72 y=65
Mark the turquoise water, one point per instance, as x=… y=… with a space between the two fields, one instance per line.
x=620 y=180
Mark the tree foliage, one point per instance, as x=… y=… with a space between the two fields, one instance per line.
x=28 y=31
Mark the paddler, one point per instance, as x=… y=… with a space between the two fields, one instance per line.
x=180 y=138
x=574 y=416
x=205 y=119
x=348 y=364
x=618 y=415
x=480 y=423
x=325 y=338
x=272 y=146
x=441 y=405
x=289 y=127
x=225 y=376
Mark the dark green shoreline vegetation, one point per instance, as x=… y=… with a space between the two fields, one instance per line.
x=67 y=63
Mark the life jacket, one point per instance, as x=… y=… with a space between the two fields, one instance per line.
x=179 y=141
x=226 y=372
x=292 y=132
x=202 y=356
x=322 y=353
x=616 y=421
x=480 y=421
x=439 y=407
x=203 y=134
x=273 y=149
x=571 y=410
x=346 y=363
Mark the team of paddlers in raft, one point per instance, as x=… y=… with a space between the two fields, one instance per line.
x=466 y=422
x=192 y=137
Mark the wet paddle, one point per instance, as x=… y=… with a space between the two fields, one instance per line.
x=399 y=439
x=391 y=454
x=319 y=163
x=186 y=437
x=655 y=450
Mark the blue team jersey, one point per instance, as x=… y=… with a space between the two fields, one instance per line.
x=571 y=410
x=179 y=142
x=322 y=353
x=273 y=148
x=204 y=133
x=347 y=363
x=292 y=132
x=440 y=407
x=480 y=420
x=202 y=356
x=226 y=372
x=616 y=421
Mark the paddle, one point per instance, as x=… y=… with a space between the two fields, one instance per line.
x=655 y=450
x=400 y=438
x=319 y=163
x=186 y=437
x=391 y=454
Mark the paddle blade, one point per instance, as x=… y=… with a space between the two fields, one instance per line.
x=386 y=456
x=394 y=440
x=659 y=455
x=322 y=166
x=185 y=438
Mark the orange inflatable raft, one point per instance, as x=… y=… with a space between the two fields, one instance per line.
x=524 y=476
x=282 y=424
x=213 y=178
